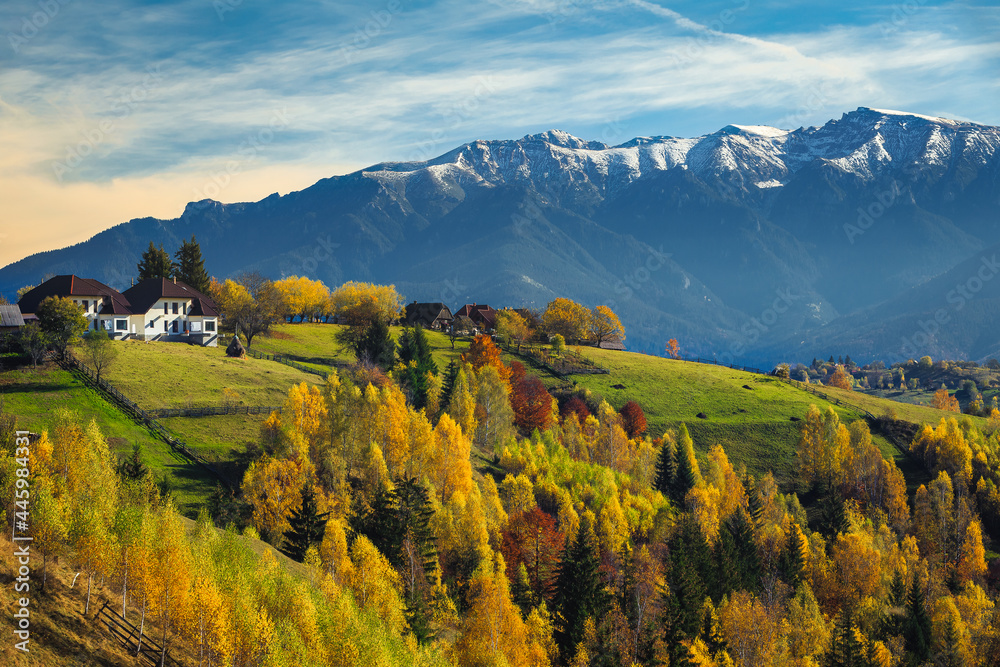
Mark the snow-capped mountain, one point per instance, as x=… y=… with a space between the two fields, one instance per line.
x=744 y=242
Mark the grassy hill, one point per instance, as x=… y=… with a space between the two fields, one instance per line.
x=752 y=416
x=35 y=395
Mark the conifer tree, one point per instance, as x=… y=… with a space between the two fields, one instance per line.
x=845 y=649
x=687 y=472
x=918 y=624
x=155 y=263
x=690 y=567
x=579 y=594
x=666 y=468
x=307 y=526
x=450 y=375
x=190 y=267
x=375 y=345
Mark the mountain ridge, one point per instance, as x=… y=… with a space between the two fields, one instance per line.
x=743 y=213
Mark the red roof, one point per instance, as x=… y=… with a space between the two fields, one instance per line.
x=70 y=286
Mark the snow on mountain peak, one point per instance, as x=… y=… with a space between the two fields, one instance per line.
x=565 y=140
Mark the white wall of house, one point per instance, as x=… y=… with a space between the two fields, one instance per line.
x=169 y=318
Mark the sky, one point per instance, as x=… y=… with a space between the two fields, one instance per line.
x=112 y=110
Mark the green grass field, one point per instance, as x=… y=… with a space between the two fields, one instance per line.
x=34 y=396
x=175 y=375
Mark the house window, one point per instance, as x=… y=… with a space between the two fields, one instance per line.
x=175 y=307
x=174 y=328
x=166 y=327
x=209 y=325
x=185 y=308
x=166 y=308
x=86 y=306
x=121 y=325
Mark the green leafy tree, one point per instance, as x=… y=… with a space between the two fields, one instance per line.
x=34 y=342
x=99 y=351
x=155 y=263
x=62 y=321
x=415 y=356
x=190 y=267
x=307 y=526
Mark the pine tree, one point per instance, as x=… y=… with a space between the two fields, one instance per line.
x=132 y=467
x=747 y=561
x=687 y=475
x=190 y=267
x=832 y=514
x=666 y=468
x=375 y=345
x=579 y=594
x=711 y=634
x=690 y=568
x=793 y=557
x=918 y=624
x=450 y=374
x=755 y=507
x=155 y=263
x=845 y=649
x=307 y=527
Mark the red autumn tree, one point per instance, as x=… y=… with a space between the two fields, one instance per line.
x=673 y=349
x=517 y=372
x=633 y=419
x=532 y=404
x=531 y=538
x=575 y=405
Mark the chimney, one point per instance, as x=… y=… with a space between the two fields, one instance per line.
x=175 y=280
x=132 y=282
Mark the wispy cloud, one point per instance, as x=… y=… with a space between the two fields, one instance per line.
x=425 y=77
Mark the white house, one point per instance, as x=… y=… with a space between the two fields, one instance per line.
x=156 y=309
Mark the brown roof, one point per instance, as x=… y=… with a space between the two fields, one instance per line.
x=69 y=286
x=613 y=343
x=478 y=313
x=146 y=293
x=426 y=314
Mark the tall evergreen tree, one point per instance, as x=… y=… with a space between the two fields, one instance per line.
x=415 y=354
x=450 y=375
x=845 y=649
x=155 y=263
x=375 y=344
x=190 y=267
x=686 y=478
x=792 y=562
x=579 y=594
x=918 y=625
x=307 y=527
x=690 y=568
x=745 y=559
x=666 y=468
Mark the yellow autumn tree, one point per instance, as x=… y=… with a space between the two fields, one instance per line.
x=376 y=584
x=273 y=488
x=451 y=468
x=387 y=302
x=493 y=632
x=603 y=325
x=566 y=318
x=302 y=297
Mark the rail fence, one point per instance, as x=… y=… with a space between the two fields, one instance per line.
x=134 y=641
x=131 y=408
x=212 y=411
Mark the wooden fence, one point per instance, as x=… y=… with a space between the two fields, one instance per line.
x=284 y=359
x=131 y=408
x=132 y=639
x=212 y=411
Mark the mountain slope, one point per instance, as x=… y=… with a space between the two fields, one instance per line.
x=696 y=238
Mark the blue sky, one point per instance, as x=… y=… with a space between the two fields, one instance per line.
x=111 y=110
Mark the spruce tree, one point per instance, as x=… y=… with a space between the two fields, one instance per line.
x=845 y=649
x=190 y=267
x=132 y=467
x=375 y=345
x=686 y=479
x=307 y=527
x=450 y=375
x=155 y=263
x=690 y=568
x=711 y=634
x=918 y=625
x=579 y=594
x=792 y=561
x=747 y=561
x=666 y=468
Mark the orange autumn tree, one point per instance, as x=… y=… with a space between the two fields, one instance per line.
x=944 y=401
x=673 y=349
x=840 y=379
x=483 y=352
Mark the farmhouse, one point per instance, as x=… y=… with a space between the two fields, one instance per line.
x=435 y=316
x=157 y=309
x=10 y=318
x=483 y=316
